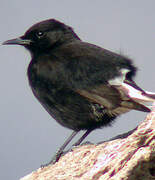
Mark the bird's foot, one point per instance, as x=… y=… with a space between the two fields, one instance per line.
x=75 y=145
x=87 y=143
x=55 y=159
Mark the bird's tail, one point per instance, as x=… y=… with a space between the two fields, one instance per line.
x=144 y=98
x=150 y=95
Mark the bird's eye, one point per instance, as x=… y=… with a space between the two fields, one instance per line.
x=39 y=34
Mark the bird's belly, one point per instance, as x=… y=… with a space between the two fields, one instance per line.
x=71 y=110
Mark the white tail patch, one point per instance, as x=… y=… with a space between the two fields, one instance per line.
x=132 y=92
x=139 y=96
x=119 y=79
x=136 y=94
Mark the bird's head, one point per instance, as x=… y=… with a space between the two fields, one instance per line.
x=43 y=36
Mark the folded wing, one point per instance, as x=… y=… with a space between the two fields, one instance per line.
x=120 y=95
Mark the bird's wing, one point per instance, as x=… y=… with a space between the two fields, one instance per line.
x=119 y=95
x=101 y=76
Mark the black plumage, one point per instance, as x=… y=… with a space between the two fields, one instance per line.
x=81 y=85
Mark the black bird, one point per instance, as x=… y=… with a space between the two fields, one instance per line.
x=82 y=86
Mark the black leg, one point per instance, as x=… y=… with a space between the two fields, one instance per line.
x=82 y=138
x=60 y=151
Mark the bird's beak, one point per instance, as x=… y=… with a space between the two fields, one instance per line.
x=18 y=41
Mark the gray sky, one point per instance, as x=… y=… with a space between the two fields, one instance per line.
x=28 y=135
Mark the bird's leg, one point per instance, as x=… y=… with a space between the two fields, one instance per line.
x=82 y=138
x=60 y=151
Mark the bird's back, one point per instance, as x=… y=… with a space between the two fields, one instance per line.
x=71 y=82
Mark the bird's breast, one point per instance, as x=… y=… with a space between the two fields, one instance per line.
x=44 y=73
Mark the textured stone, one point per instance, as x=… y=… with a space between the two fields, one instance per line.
x=130 y=158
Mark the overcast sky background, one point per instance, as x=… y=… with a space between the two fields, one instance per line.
x=29 y=137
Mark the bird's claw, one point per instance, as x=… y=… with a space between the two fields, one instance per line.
x=55 y=159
